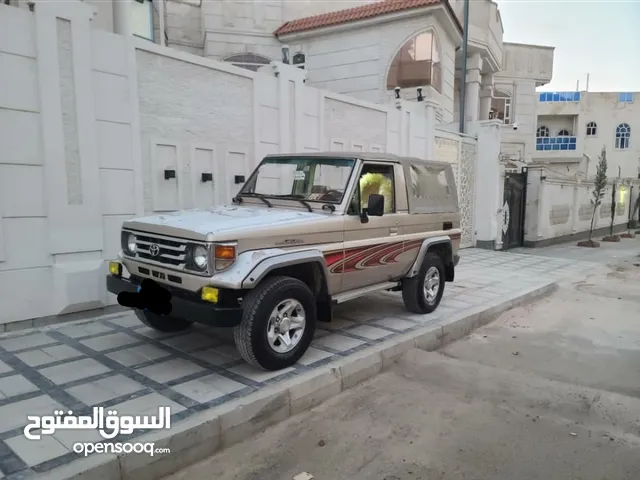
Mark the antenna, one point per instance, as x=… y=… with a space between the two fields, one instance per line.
x=587 y=82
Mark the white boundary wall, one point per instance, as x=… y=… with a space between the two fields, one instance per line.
x=90 y=120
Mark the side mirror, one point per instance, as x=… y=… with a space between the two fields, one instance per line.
x=375 y=205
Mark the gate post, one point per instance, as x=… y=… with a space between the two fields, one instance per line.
x=488 y=190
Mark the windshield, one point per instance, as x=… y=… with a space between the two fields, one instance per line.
x=305 y=178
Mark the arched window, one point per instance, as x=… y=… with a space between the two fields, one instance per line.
x=250 y=61
x=501 y=106
x=623 y=136
x=299 y=60
x=542 y=131
x=564 y=133
x=592 y=129
x=416 y=64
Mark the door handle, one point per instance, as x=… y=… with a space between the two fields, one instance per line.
x=393 y=231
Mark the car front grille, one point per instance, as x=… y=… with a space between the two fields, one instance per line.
x=172 y=253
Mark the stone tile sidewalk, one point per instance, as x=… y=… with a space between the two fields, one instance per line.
x=119 y=363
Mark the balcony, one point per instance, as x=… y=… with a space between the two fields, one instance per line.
x=559 y=97
x=559 y=103
x=558 y=149
x=556 y=143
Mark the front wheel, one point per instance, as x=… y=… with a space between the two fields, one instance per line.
x=422 y=293
x=278 y=323
x=162 y=323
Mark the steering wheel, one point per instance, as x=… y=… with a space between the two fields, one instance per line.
x=331 y=196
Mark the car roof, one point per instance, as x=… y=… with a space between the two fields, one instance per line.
x=385 y=157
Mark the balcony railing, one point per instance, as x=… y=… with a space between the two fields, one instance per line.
x=559 y=96
x=556 y=143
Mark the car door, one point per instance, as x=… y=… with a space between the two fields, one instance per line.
x=371 y=249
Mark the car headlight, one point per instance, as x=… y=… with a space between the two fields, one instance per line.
x=200 y=257
x=131 y=244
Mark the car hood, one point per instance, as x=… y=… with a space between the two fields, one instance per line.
x=222 y=219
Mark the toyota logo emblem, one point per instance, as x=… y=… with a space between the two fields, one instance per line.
x=154 y=250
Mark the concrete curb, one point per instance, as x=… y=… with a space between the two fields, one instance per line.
x=205 y=433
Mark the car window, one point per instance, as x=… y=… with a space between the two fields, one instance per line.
x=310 y=178
x=431 y=188
x=374 y=179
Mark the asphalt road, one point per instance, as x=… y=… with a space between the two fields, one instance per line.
x=548 y=391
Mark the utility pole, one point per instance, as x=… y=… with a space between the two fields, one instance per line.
x=463 y=86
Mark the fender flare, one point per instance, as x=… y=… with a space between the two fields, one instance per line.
x=429 y=242
x=267 y=265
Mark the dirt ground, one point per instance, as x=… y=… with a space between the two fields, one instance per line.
x=548 y=391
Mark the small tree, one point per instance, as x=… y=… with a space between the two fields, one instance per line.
x=599 y=186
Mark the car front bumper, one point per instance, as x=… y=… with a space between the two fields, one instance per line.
x=184 y=305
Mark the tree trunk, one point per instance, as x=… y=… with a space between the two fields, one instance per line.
x=593 y=217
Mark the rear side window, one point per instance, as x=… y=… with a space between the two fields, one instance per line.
x=432 y=189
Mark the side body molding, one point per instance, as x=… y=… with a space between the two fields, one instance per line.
x=262 y=269
x=415 y=268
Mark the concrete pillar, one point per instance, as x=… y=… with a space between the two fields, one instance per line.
x=488 y=197
x=486 y=93
x=430 y=125
x=472 y=101
x=122 y=17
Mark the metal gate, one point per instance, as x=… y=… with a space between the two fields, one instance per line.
x=513 y=209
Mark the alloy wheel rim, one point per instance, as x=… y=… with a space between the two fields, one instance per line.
x=431 y=284
x=286 y=326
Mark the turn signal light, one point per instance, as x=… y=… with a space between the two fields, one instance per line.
x=115 y=268
x=225 y=252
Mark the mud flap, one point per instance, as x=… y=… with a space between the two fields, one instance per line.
x=325 y=311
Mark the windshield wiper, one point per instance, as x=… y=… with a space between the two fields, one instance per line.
x=256 y=195
x=299 y=198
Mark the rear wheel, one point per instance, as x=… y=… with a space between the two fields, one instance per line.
x=422 y=293
x=162 y=323
x=278 y=323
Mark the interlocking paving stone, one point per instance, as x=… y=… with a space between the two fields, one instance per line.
x=170 y=370
x=370 y=333
x=208 y=388
x=338 y=342
x=35 y=452
x=42 y=356
x=30 y=340
x=85 y=329
x=14 y=415
x=313 y=355
x=4 y=368
x=107 y=342
x=75 y=370
x=140 y=354
x=134 y=369
x=15 y=385
x=256 y=375
x=394 y=323
x=105 y=389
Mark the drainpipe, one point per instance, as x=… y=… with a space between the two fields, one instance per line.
x=463 y=86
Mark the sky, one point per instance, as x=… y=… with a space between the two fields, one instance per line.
x=601 y=38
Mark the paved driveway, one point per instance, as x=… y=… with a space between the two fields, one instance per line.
x=118 y=362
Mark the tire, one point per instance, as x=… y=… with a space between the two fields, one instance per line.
x=257 y=338
x=163 y=323
x=415 y=298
